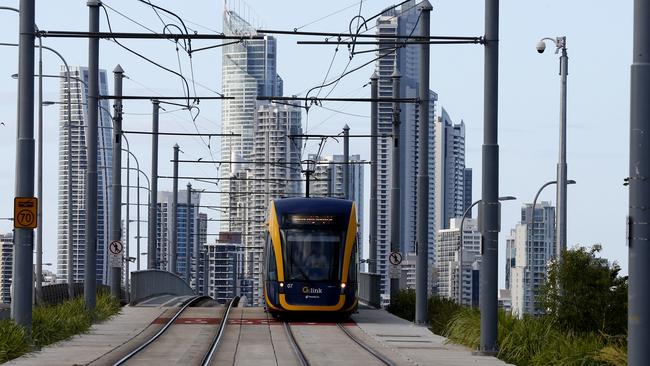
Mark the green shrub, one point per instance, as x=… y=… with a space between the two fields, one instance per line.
x=57 y=322
x=13 y=340
x=569 y=349
x=615 y=353
x=465 y=328
x=440 y=312
x=107 y=306
x=54 y=323
x=403 y=305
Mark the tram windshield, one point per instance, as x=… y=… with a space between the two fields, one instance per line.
x=312 y=255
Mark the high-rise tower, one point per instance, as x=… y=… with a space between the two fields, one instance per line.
x=79 y=104
x=449 y=169
x=249 y=70
x=402 y=21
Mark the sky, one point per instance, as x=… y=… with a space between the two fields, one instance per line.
x=599 y=42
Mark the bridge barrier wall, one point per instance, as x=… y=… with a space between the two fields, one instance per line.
x=369 y=288
x=57 y=293
x=154 y=282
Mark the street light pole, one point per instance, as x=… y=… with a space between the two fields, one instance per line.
x=460 y=245
x=561 y=210
x=532 y=215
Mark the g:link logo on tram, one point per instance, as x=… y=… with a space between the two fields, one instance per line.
x=309 y=290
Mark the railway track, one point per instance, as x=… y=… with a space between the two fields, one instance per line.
x=304 y=361
x=214 y=344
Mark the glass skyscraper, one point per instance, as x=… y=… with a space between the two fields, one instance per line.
x=249 y=70
x=79 y=112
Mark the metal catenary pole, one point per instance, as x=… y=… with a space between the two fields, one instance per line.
x=173 y=237
x=116 y=204
x=137 y=218
x=152 y=243
x=21 y=310
x=422 y=265
x=90 y=260
x=489 y=208
x=196 y=251
x=395 y=189
x=39 y=229
x=562 y=165
x=188 y=209
x=374 y=122
x=638 y=230
x=127 y=236
x=346 y=159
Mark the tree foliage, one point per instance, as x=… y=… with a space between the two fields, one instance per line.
x=585 y=293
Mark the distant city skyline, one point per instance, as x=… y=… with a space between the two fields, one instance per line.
x=529 y=94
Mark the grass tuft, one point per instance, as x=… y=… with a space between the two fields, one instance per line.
x=13 y=340
x=54 y=323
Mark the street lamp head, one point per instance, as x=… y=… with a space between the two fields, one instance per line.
x=48 y=102
x=570 y=181
x=507 y=198
x=14 y=76
x=541 y=46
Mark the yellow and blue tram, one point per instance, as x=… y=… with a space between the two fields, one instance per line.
x=311 y=256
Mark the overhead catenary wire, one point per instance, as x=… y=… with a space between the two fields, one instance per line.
x=327 y=16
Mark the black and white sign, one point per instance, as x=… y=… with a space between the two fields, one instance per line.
x=395 y=258
x=116 y=250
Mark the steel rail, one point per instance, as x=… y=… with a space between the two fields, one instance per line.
x=302 y=359
x=383 y=359
x=207 y=359
x=191 y=301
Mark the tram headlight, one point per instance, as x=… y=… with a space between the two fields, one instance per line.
x=343 y=287
x=281 y=287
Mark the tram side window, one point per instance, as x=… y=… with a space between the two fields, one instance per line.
x=354 y=263
x=272 y=268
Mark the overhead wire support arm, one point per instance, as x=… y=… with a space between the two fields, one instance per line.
x=281 y=163
x=183 y=134
x=441 y=40
x=138 y=35
x=334 y=99
x=341 y=35
x=150 y=97
x=325 y=136
x=233 y=178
